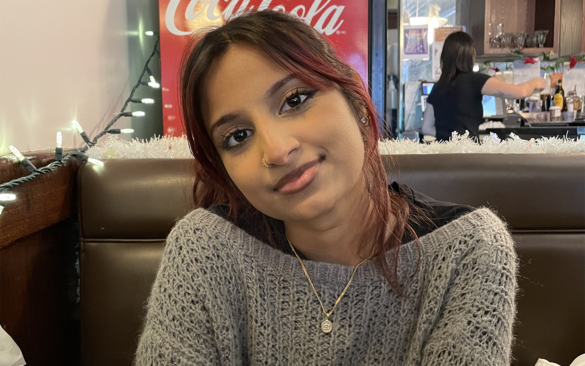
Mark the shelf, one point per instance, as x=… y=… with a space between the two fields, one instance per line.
x=499 y=53
x=526 y=51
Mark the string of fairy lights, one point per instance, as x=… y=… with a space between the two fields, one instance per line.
x=6 y=189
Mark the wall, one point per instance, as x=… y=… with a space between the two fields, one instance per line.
x=65 y=60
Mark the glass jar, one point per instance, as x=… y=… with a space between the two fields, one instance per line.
x=578 y=104
x=555 y=114
x=570 y=101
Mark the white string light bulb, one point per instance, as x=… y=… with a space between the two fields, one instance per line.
x=7 y=197
x=24 y=161
x=143 y=101
x=59 y=148
x=17 y=153
x=95 y=161
x=135 y=114
x=118 y=131
x=81 y=132
x=81 y=156
x=77 y=126
x=153 y=84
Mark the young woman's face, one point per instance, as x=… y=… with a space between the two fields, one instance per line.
x=258 y=114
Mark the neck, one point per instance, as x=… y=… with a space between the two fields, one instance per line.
x=334 y=236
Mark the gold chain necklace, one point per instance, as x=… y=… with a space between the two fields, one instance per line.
x=326 y=325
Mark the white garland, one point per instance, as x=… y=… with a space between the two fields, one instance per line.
x=177 y=147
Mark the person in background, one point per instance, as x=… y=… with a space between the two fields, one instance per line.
x=300 y=252
x=455 y=101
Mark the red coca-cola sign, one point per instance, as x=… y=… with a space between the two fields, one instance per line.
x=343 y=22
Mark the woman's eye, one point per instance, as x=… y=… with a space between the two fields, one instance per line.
x=296 y=100
x=235 y=138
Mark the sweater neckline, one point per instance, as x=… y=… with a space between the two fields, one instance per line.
x=330 y=274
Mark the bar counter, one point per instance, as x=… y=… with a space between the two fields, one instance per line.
x=527 y=132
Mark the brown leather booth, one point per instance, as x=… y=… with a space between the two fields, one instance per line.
x=127 y=208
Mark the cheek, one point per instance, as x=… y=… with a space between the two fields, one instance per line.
x=344 y=133
x=244 y=176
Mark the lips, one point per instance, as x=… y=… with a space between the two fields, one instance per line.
x=298 y=178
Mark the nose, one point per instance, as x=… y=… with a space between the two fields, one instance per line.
x=278 y=145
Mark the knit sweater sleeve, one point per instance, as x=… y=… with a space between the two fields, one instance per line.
x=475 y=319
x=183 y=325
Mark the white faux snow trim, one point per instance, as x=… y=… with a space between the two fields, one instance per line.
x=177 y=147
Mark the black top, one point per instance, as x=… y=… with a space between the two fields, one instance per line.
x=439 y=214
x=457 y=105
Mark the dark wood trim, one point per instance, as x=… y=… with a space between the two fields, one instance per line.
x=392 y=19
x=41 y=203
x=557 y=34
x=583 y=30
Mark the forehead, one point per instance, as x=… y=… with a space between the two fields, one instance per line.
x=239 y=78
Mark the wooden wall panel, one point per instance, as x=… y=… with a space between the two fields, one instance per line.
x=38 y=279
x=571 y=27
x=38 y=293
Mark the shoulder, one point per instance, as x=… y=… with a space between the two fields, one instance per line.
x=480 y=235
x=470 y=281
x=429 y=213
x=199 y=222
x=200 y=233
x=478 y=78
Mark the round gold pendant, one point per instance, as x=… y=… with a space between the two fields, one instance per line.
x=326 y=326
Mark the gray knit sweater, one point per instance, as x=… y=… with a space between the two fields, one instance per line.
x=221 y=297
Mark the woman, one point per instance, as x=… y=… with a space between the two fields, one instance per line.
x=455 y=101
x=300 y=253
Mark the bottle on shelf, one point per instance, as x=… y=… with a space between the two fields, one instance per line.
x=545 y=98
x=560 y=100
x=577 y=101
x=570 y=101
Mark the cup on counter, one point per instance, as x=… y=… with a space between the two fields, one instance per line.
x=534 y=104
x=543 y=116
x=509 y=77
x=569 y=116
x=555 y=114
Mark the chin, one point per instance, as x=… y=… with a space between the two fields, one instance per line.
x=310 y=208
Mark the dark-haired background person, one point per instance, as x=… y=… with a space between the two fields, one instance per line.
x=455 y=101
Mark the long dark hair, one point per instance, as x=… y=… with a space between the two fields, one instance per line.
x=458 y=56
x=300 y=49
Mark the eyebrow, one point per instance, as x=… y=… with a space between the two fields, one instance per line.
x=276 y=86
x=227 y=118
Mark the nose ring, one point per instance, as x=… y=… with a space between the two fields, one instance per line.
x=266 y=165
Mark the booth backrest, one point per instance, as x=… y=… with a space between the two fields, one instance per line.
x=128 y=207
